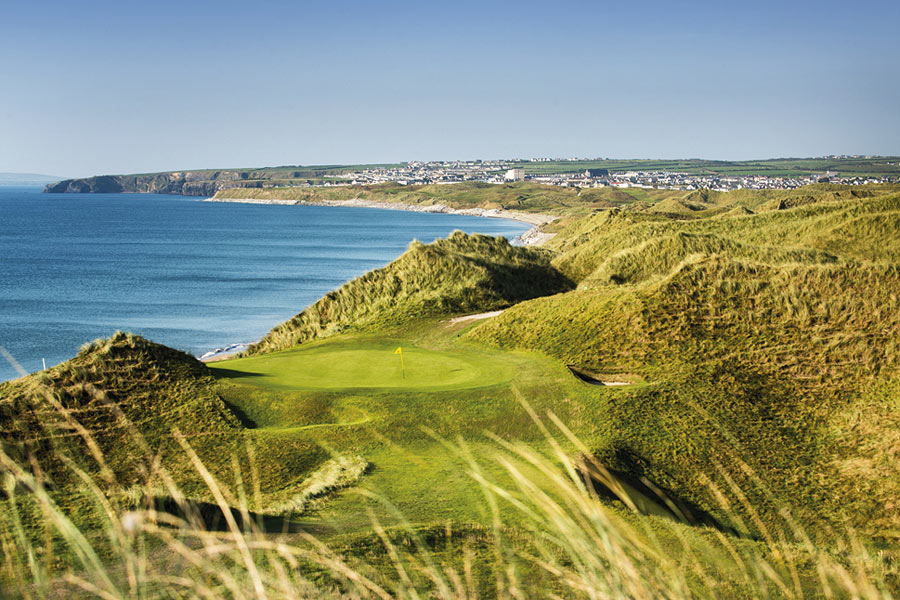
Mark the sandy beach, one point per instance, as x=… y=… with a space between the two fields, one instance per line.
x=532 y=237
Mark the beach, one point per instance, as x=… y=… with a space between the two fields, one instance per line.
x=532 y=237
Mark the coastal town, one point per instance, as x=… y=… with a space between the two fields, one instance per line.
x=505 y=171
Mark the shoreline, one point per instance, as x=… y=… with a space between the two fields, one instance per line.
x=532 y=237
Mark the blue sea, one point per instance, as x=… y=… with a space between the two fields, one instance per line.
x=189 y=274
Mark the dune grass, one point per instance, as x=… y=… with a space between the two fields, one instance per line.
x=569 y=542
x=753 y=458
x=769 y=325
x=458 y=275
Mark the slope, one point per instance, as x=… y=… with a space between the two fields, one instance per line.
x=766 y=342
x=457 y=275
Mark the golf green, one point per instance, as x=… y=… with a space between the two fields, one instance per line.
x=361 y=364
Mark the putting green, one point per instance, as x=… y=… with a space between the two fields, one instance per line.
x=357 y=364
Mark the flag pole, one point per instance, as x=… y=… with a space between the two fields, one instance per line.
x=399 y=351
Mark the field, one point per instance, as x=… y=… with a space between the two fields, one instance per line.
x=751 y=452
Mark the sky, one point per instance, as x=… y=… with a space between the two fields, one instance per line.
x=98 y=87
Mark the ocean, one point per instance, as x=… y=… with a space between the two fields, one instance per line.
x=185 y=273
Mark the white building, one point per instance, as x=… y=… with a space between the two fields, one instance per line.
x=515 y=175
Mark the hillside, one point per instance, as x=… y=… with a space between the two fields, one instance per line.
x=203 y=182
x=117 y=411
x=523 y=197
x=156 y=388
x=206 y=182
x=458 y=275
x=755 y=335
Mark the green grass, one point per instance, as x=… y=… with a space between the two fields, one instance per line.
x=458 y=275
x=360 y=363
x=254 y=182
x=203 y=182
x=756 y=331
x=760 y=327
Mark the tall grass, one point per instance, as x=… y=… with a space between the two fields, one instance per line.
x=574 y=543
x=766 y=340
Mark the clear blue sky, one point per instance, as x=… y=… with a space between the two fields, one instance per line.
x=125 y=86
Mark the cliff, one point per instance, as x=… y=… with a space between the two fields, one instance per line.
x=205 y=182
x=188 y=183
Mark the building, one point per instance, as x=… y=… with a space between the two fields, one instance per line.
x=515 y=175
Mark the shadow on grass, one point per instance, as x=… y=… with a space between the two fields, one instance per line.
x=243 y=417
x=220 y=373
x=213 y=518
x=647 y=497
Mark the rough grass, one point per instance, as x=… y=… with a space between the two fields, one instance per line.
x=136 y=400
x=753 y=457
x=112 y=385
x=571 y=543
x=759 y=329
x=459 y=275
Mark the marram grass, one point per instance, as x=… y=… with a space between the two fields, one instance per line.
x=754 y=455
x=572 y=542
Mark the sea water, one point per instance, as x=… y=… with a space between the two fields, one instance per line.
x=190 y=274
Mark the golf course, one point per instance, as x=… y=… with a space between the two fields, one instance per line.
x=349 y=394
x=378 y=445
x=370 y=363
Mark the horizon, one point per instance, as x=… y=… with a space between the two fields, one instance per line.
x=115 y=89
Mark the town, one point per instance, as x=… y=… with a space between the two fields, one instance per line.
x=505 y=171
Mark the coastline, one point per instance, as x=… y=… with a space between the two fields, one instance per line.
x=532 y=237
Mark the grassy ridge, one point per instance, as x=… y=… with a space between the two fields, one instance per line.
x=571 y=202
x=131 y=401
x=203 y=182
x=155 y=388
x=521 y=197
x=758 y=328
x=853 y=222
x=461 y=274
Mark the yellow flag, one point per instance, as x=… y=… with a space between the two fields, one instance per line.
x=399 y=351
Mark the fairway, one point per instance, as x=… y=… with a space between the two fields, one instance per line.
x=369 y=364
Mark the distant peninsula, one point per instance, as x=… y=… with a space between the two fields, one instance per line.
x=204 y=182
x=690 y=174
